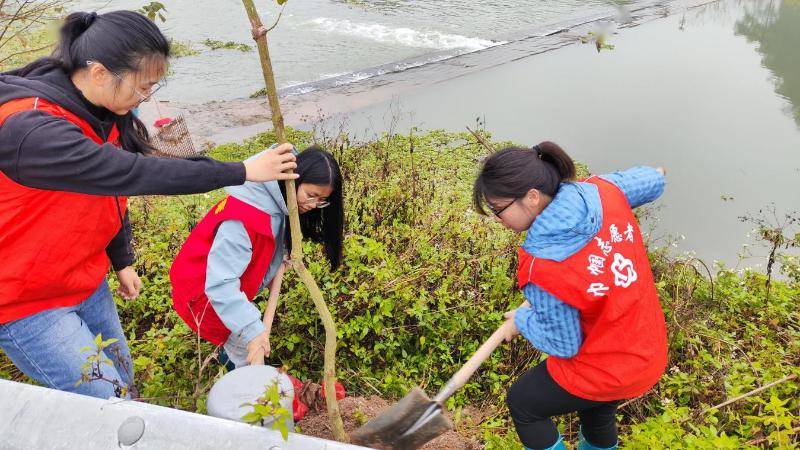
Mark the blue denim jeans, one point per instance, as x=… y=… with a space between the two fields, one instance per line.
x=47 y=346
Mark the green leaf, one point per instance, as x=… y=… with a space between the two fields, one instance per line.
x=251 y=418
x=262 y=410
x=281 y=426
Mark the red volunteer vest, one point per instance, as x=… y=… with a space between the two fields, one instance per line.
x=52 y=243
x=624 y=350
x=188 y=272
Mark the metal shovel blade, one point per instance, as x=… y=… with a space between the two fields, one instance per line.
x=407 y=425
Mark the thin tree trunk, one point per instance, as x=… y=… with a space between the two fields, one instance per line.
x=334 y=415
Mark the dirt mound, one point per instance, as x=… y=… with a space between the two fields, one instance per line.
x=358 y=410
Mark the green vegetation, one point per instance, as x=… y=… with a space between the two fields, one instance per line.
x=182 y=49
x=268 y=408
x=27 y=30
x=27 y=46
x=259 y=93
x=214 y=44
x=425 y=279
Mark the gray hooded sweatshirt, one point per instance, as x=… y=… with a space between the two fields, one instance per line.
x=231 y=253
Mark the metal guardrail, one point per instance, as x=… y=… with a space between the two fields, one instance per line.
x=33 y=417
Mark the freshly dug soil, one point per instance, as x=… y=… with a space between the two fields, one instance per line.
x=358 y=410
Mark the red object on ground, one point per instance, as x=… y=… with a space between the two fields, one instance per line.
x=161 y=122
x=340 y=394
x=299 y=408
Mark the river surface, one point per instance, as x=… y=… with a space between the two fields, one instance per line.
x=710 y=92
x=320 y=39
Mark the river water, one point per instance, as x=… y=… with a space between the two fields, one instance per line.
x=319 y=39
x=710 y=92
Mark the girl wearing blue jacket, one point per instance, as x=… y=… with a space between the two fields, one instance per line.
x=592 y=305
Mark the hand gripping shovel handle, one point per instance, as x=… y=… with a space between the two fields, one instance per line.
x=461 y=377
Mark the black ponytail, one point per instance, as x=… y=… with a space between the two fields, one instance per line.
x=323 y=225
x=123 y=42
x=74 y=27
x=513 y=171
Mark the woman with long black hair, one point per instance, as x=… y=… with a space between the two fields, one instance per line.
x=239 y=248
x=70 y=151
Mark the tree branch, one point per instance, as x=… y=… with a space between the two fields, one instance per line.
x=13 y=18
x=334 y=415
x=481 y=140
x=753 y=392
x=278 y=19
x=6 y=58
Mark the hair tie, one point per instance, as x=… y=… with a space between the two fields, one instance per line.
x=538 y=151
x=89 y=19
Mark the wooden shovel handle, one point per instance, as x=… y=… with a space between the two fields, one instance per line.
x=461 y=377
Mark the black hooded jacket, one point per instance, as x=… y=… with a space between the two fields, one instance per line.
x=42 y=151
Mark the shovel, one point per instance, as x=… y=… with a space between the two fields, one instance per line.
x=416 y=419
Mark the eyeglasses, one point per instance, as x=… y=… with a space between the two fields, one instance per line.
x=318 y=203
x=497 y=212
x=142 y=97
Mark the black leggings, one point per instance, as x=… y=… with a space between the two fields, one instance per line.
x=534 y=398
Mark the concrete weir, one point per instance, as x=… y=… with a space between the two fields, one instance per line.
x=33 y=417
